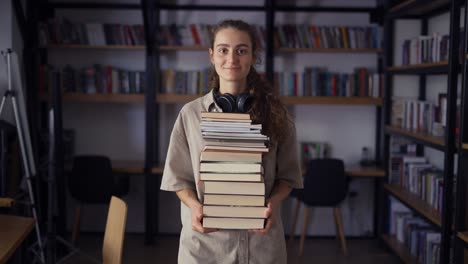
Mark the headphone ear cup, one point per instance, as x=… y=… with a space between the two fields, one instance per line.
x=227 y=102
x=244 y=102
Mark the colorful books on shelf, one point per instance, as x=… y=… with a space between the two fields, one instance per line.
x=231 y=171
x=416 y=175
x=421 y=240
x=96 y=79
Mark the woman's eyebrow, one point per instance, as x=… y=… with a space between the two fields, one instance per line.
x=227 y=45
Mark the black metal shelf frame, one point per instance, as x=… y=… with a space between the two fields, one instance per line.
x=461 y=182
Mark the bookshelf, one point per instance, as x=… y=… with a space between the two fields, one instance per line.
x=98 y=98
x=401 y=251
x=429 y=140
x=441 y=221
x=113 y=54
x=328 y=50
x=96 y=47
x=414 y=202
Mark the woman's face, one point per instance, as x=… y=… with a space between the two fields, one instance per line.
x=232 y=56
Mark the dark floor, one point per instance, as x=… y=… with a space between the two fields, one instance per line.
x=315 y=251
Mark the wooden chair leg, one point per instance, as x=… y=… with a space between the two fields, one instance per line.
x=339 y=229
x=296 y=214
x=304 y=230
x=76 y=223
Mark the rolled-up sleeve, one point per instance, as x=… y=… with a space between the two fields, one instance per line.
x=287 y=166
x=178 y=171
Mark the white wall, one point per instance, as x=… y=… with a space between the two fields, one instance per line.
x=118 y=130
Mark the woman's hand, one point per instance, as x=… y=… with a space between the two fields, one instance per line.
x=196 y=212
x=189 y=198
x=270 y=215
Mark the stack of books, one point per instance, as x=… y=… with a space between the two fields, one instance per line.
x=232 y=172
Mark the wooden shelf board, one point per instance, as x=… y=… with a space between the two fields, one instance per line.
x=400 y=249
x=438 y=141
x=126 y=47
x=329 y=50
x=99 y=98
x=463 y=236
x=417 y=66
x=359 y=171
x=412 y=7
x=108 y=47
x=183 y=48
x=414 y=202
x=333 y=100
x=176 y=98
x=465 y=146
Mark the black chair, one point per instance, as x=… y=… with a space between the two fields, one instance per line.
x=325 y=185
x=91 y=181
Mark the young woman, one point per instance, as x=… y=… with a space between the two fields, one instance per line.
x=233 y=53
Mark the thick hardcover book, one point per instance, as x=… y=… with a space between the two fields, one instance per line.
x=233 y=223
x=240 y=200
x=245 y=188
x=238 y=177
x=230 y=156
x=234 y=211
x=231 y=167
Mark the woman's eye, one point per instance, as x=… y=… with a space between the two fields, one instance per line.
x=242 y=51
x=223 y=51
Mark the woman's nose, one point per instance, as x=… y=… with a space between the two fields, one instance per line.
x=233 y=56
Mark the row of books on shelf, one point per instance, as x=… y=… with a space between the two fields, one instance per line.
x=231 y=171
x=420 y=116
x=421 y=240
x=315 y=36
x=414 y=173
x=425 y=49
x=98 y=79
x=313 y=150
x=63 y=31
x=312 y=82
x=184 y=82
x=321 y=82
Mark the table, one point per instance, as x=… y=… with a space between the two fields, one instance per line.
x=13 y=231
x=356 y=172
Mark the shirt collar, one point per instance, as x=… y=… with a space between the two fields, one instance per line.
x=209 y=103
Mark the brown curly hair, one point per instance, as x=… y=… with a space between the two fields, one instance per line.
x=267 y=109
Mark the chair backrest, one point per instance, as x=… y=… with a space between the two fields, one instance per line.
x=91 y=179
x=115 y=232
x=325 y=183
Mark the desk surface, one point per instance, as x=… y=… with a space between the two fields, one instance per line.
x=13 y=230
x=359 y=171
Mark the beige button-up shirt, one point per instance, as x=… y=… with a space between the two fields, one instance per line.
x=181 y=171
